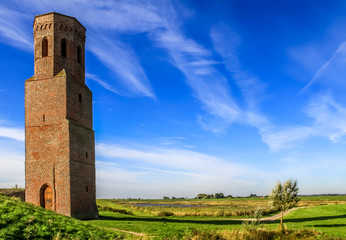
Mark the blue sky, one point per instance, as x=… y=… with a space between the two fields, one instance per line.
x=196 y=96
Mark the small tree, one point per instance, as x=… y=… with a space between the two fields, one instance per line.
x=284 y=196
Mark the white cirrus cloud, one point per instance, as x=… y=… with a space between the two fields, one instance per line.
x=181 y=160
x=12 y=133
x=105 y=85
x=120 y=58
x=15 y=28
x=209 y=86
x=331 y=73
x=134 y=170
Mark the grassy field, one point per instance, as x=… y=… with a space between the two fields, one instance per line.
x=322 y=218
x=329 y=219
x=321 y=214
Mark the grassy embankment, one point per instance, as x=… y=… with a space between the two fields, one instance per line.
x=322 y=214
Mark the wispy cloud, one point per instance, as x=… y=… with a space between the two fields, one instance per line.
x=226 y=43
x=278 y=139
x=181 y=160
x=167 y=141
x=108 y=19
x=105 y=19
x=194 y=61
x=122 y=16
x=12 y=163
x=332 y=71
x=12 y=133
x=329 y=116
x=328 y=121
x=14 y=28
x=95 y=78
x=171 y=170
x=120 y=58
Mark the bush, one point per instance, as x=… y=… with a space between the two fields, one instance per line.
x=110 y=209
x=165 y=214
x=198 y=234
x=255 y=234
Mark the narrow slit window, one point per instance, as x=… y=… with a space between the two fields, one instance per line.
x=63 y=48
x=86 y=154
x=79 y=54
x=80 y=97
x=86 y=189
x=44 y=47
x=43 y=118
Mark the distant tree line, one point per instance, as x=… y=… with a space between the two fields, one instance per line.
x=212 y=196
x=166 y=198
x=221 y=195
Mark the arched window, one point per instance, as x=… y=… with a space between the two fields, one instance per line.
x=63 y=48
x=44 y=47
x=79 y=54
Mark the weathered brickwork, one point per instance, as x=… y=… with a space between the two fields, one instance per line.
x=59 y=140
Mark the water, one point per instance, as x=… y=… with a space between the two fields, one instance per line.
x=163 y=205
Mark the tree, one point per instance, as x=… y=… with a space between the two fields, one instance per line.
x=284 y=196
x=218 y=195
x=201 y=195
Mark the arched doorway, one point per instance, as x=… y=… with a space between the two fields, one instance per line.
x=47 y=197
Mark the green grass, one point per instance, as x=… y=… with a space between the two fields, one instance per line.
x=321 y=218
x=19 y=220
x=329 y=219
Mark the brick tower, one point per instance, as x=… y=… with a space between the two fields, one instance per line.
x=59 y=139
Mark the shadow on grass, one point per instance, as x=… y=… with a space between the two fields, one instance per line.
x=172 y=220
x=223 y=221
x=327 y=225
x=315 y=218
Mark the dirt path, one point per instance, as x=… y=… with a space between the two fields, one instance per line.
x=271 y=218
x=124 y=231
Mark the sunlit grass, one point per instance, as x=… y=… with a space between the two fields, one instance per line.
x=20 y=220
x=210 y=218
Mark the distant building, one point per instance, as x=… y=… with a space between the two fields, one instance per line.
x=59 y=139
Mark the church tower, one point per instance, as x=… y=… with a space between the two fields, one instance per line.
x=59 y=136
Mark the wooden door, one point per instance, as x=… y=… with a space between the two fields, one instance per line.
x=48 y=198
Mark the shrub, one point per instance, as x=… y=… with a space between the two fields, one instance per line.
x=110 y=209
x=165 y=214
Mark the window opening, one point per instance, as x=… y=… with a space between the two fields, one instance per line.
x=86 y=189
x=44 y=118
x=63 y=48
x=79 y=54
x=44 y=47
x=80 y=97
